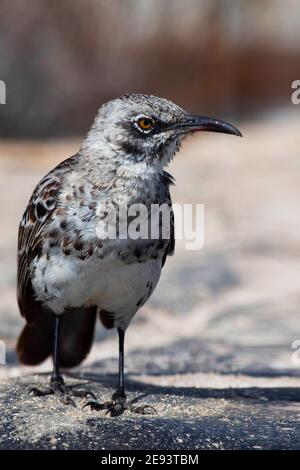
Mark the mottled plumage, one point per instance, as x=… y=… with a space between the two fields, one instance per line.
x=66 y=266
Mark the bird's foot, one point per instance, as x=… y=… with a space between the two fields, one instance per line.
x=57 y=387
x=117 y=405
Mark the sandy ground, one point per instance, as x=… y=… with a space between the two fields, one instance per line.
x=212 y=349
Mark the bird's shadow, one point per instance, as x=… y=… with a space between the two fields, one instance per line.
x=261 y=394
x=191 y=356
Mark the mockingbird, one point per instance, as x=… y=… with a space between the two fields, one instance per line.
x=68 y=271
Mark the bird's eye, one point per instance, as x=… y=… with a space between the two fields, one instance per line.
x=144 y=123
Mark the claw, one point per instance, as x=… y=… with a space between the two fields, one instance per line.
x=67 y=400
x=94 y=405
x=63 y=393
x=84 y=394
x=142 y=409
x=115 y=409
x=36 y=392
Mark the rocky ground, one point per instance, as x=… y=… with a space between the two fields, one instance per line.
x=212 y=349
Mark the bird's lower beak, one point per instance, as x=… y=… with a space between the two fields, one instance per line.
x=201 y=123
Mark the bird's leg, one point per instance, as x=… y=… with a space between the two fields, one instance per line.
x=56 y=378
x=57 y=384
x=118 y=400
x=117 y=405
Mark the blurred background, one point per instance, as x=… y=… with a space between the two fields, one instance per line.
x=61 y=60
x=226 y=315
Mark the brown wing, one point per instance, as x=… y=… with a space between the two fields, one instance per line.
x=37 y=215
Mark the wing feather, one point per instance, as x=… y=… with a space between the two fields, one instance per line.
x=37 y=215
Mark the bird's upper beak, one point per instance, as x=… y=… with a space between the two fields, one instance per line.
x=194 y=123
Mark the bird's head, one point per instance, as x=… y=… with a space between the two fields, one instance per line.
x=146 y=128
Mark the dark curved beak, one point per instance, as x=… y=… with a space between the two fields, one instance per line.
x=194 y=123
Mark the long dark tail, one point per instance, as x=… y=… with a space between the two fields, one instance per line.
x=77 y=327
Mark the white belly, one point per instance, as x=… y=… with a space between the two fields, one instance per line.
x=111 y=284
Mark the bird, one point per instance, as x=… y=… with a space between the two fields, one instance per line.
x=69 y=272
